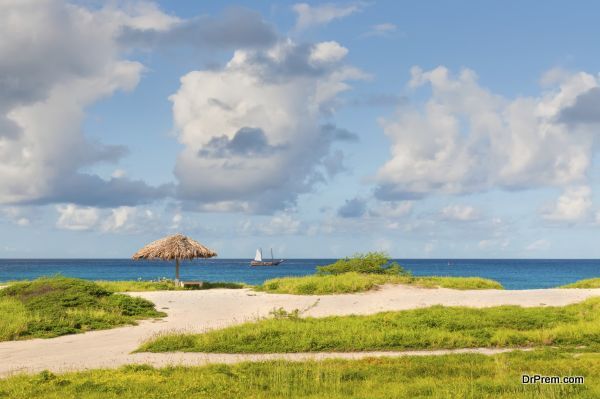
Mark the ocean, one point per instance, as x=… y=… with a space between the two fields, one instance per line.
x=511 y=273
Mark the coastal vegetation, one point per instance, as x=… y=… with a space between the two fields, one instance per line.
x=364 y=272
x=587 y=283
x=448 y=376
x=161 y=285
x=435 y=327
x=357 y=282
x=53 y=306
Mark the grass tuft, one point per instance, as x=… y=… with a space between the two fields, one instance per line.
x=436 y=327
x=161 y=285
x=358 y=282
x=53 y=306
x=588 y=283
x=450 y=376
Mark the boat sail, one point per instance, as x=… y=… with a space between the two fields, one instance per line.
x=258 y=256
x=258 y=259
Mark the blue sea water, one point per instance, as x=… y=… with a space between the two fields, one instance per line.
x=511 y=273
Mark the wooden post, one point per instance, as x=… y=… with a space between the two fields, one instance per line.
x=177 y=270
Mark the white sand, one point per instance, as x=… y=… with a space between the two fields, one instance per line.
x=197 y=311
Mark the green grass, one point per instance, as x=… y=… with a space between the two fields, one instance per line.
x=588 y=283
x=435 y=327
x=445 y=377
x=54 y=306
x=358 y=282
x=162 y=285
x=457 y=283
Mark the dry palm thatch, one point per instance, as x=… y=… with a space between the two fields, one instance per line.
x=176 y=247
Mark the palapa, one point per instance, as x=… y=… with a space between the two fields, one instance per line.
x=175 y=247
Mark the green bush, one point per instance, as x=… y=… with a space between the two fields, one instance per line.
x=54 y=306
x=369 y=263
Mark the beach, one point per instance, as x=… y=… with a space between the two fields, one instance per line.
x=198 y=311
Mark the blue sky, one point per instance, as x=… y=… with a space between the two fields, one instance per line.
x=424 y=129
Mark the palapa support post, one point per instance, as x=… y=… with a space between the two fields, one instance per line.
x=177 y=271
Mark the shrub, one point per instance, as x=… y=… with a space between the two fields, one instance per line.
x=369 y=263
x=54 y=306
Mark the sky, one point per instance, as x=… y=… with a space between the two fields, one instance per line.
x=425 y=129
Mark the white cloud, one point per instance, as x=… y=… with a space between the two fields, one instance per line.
x=23 y=222
x=327 y=53
x=573 y=205
x=118 y=173
x=253 y=132
x=467 y=139
x=392 y=210
x=384 y=29
x=279 y=224
x=461 y=213
x=176 y=220
x=538 y=245
x=123 y=219
x=145 y=16
x=61 y=57
x=309 y=16
x=16 y=215
x=65 y=60
x=118 y=219
x=73 y=217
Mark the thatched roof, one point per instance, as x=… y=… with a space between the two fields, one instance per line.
x=174 y=247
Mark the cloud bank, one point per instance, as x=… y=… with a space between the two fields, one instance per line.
x=59 y=58
x=255 y=131
x=466 y=139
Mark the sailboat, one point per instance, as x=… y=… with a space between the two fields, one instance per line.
x=258 y=259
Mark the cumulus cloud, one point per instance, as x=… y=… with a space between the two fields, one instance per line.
x=73 y=217
x=50 y=76
x=309 y=16
x=118 y=219
x=573 y=205
x=467 y=139
x=69 y=56
x=122 y=219
x=253 y=130
x=461 y=213
x=325 y=53
x=353 y=208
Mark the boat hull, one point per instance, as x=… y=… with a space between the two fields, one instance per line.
x=266 y=263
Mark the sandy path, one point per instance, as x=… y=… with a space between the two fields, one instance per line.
x=202 y=310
